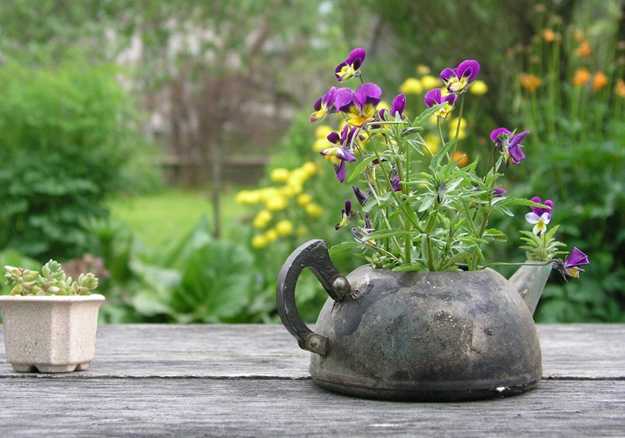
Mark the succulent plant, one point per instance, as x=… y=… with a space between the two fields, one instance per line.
x=50 y=280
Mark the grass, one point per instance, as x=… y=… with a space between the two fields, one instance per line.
x=161 y=217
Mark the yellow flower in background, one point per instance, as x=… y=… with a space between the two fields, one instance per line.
x=411 y=86
x=313 y=210
x=301 y=231
x=432 y=143
x=461 y=158
x=479 y=88
x=581 y=77
x=599 y=81
x=584 y=50
x=322 y=131
x=262 y=219
x=310 y=168
x=247 y=197
x=284 y=228
x=259 y=241
x=530 y=82
x=304 y=199
x=428 y=82
x=321 y=144
x=619 y=88
x=271 y=235
x=458 y=123
x=279 y=175
x=423 y=69
x=276 y=203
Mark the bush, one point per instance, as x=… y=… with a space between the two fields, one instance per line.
x=66 y=135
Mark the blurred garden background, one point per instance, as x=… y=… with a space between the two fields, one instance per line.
x=165 y=144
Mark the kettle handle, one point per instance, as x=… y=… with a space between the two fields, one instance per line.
x=314 y=255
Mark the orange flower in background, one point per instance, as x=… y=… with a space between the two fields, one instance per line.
x=584 y=50
x=599 y=81
x=549 y=35
x=619 y=88
x=461 y=158
x=530 y=82
x=581 y=77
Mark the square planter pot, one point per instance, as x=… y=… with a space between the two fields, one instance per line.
x=50 y=334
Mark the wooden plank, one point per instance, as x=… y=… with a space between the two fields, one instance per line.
x=228 y=351
x=193 y=407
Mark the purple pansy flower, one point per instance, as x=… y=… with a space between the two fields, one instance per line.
x=499 y=192
x=360 y=196
x=435 y=97
x=572 y=264
x=397 y=108
x=346 y=215
x=396 y=183
x=341 y=153
x=457 y=79
x=350 y=67
x=358 y=106
x=540 y=216
x=509 y=144
x=398 y=105
x=324 y=105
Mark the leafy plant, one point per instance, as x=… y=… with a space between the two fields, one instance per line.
x=419 y=210
x=50 y=280
x=67 y=133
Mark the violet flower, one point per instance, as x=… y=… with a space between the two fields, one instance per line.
x=324 y=105
x=457 y=79
x=346 y=215
x=341 y=153
x=509 y=144
x=395 y=183
x=499 y=192
x=573 y=262
x=350 y=67
x=540 y=216
x=435 y=97
x=358 y=106
x=360 y=196
x=397 y=108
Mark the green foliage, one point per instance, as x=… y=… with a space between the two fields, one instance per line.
x=50 y=280
x=67 y=134
x=576 y=154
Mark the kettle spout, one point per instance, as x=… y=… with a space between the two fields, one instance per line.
x=529 y=281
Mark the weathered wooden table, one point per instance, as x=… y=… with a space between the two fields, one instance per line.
x=218 y=380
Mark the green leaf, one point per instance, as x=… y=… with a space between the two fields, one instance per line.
x=359 y=168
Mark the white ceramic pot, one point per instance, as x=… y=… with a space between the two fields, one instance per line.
x=50 y=334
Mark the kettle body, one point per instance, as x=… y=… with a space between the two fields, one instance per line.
x=425 y=336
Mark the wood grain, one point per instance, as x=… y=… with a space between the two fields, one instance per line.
x=226 y=351
x=252 y=380
x=208 y=407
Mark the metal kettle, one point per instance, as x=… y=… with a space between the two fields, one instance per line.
x=430 y=336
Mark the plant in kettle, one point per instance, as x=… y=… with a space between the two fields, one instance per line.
x=426 y=318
